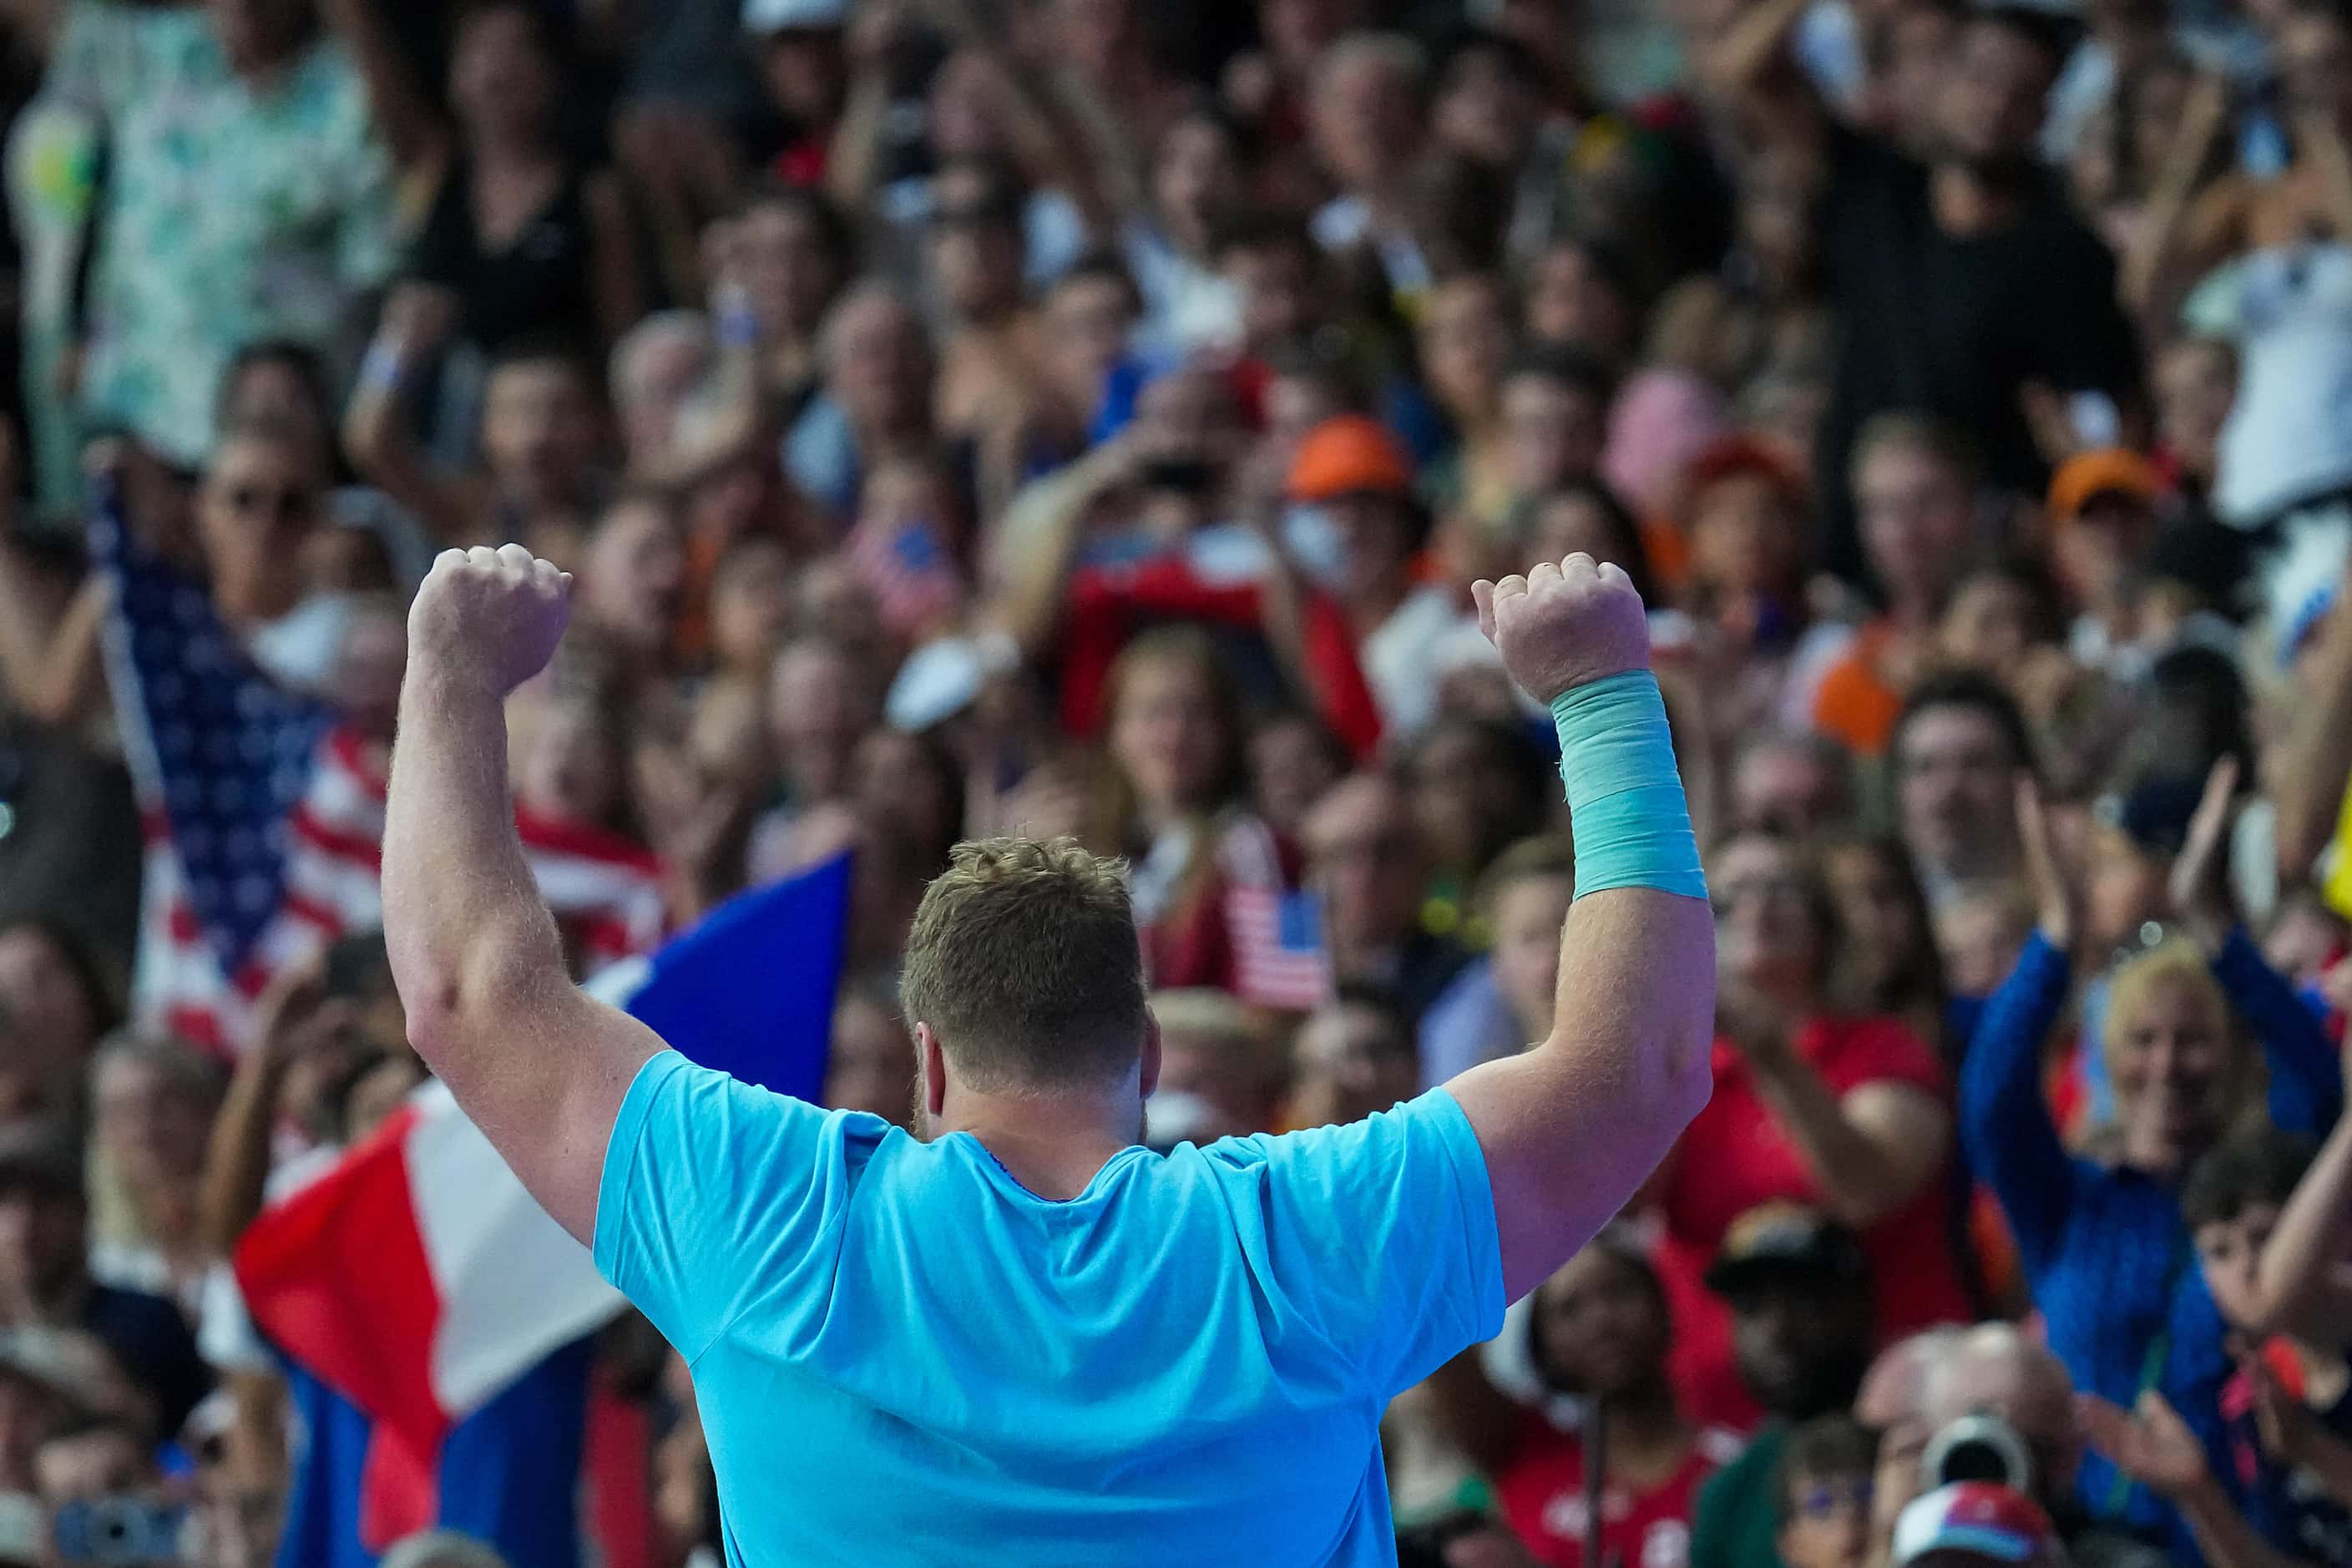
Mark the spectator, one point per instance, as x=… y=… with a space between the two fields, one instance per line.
x=1822 y=1488
x=658 y=365
x=2100 y=1241
x=58 y=1002
x=2292 y=1452
x=541 y=474
x=871 y=1065
x=1915 y=494
x=1366 y=527
x=1219 y=1075
x=1365 y=861
x=1790 y=783
x=183 y=95
x=1898 y=972
x=875 y=401
x=1955 y=749
x=98 y=1460
x=1797 y=1284
x=2025 y=304
x=2104 y=503
x=1584 y=513
x=1744 y=509
x=1365 y=110
x=1994 y=1371
x=1478 y=786
x=44 y=1278
x=1813 y=1103
x=521 y=240
x=1292 y=761
x=1176 y=736
x=1505 y=999
x=153 y=1101
x=1353 y=1056
x=1597 y=1330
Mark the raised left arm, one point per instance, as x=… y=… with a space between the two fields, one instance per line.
x=539 y=1066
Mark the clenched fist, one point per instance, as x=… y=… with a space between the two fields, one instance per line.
x=1563 y=626
x=495 y=614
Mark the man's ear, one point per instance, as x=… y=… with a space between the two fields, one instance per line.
x=931 y=1067
x=1148 y=1063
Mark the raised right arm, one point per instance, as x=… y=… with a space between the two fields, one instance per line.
x=1572 y=1127
x=2005 y=1123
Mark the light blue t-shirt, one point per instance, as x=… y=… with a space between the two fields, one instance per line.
x=901 y=1356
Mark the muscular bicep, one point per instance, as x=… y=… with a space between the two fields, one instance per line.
x=1561 y=1159
x=1571 y=1129
x=546 y=1092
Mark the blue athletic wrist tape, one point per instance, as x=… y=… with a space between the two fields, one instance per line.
x=1625 y=800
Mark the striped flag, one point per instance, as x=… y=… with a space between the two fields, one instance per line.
x=417 y=1280
x=912 y=575
x=263 y=817
x=1278 y=956
x=1275 y=930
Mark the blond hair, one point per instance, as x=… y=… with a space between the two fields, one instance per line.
x=1023 y=960
x=2135 y=986
x=2179 y=960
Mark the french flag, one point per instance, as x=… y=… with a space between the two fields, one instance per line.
x=417 y=1280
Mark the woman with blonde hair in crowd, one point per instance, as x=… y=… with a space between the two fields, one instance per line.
x=2106 y=1256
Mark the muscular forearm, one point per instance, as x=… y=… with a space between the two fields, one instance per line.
x=468 y=930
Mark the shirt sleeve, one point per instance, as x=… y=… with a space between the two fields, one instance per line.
x=2306 y=1081
x=715 y=1195
x=2005 y=1124
x=1384 y=1231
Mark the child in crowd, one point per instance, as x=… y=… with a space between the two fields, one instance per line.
x=1825 y=1493
x=2288 y=1410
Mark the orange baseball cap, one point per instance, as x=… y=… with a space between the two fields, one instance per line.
x=2110 y=470
x=1349 y=454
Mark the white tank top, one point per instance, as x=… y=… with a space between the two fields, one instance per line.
x=2289 y=436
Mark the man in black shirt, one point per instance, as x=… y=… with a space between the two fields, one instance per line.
x=1966 y=285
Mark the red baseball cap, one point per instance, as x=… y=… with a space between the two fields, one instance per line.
x=1737 y=453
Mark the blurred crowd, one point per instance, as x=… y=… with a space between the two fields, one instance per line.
x=1086 y=417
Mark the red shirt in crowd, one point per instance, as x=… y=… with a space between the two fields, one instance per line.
x=1542 y=1493
x=1735 y=1156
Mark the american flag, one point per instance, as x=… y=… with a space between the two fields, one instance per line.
x=1276 y=930
x=263 y=816
x=911 y=573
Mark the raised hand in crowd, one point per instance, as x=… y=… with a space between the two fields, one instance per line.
x=2199 y=884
